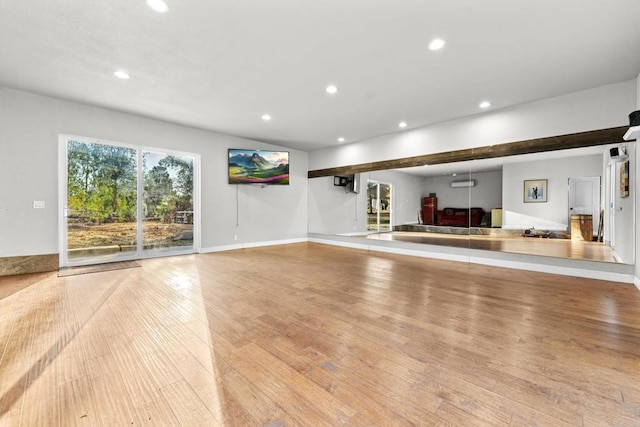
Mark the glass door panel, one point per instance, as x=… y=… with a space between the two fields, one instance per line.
x=378 y=206
x=167 y=203
x=102 y=195
x=384 y=211
x=122 y=202
x=372 y=206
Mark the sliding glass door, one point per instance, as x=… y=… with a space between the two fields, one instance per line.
x=123 y=202
x=167 y=202
x=378 y=206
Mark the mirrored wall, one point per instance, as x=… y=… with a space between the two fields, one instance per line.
x=571 y=203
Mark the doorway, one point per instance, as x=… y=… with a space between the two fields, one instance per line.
x=379 y=202
x=122 y=202
x=584 y=199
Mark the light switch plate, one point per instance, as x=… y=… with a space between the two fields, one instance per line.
x=38 y=204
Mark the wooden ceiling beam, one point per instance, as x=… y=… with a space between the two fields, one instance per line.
x=538 y=145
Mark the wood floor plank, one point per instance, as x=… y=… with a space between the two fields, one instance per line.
x=335 y=411
x=297 y=408
x=187 y=407
x=245 y=404
x=308 y=334
x=113 y=406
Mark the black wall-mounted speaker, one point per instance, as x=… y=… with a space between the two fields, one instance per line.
x=634 y=118
x=614 y=152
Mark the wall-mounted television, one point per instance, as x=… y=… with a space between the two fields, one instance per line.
x=258 y=167
x=351 y=183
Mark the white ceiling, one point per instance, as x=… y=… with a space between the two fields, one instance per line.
x=221 y=64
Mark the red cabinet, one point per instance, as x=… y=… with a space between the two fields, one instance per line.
x=429 y=208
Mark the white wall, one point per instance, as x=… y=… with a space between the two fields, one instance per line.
x=554 y=214
x=332 y=211
x=447 y=197
x=593 y=109
x=487 y=193
x=599 y=108
x=636 y=192
x=407 y=194
x=29 y=129
x=624 y=213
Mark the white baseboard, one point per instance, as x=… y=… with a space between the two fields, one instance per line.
x=617 y=258
x=517 y=265
x=423 y=254
x=339 y=243
x=554 y=269
x=251 y=245
x=399 y=251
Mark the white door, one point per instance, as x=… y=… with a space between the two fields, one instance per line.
x=584 y=198
x=609 y=237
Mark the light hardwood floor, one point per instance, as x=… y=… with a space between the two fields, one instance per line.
x=308 y=334
x=558 y=248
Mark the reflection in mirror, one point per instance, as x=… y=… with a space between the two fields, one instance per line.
x=379 y=203
x=567 y=204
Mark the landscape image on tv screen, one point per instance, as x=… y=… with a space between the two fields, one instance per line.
x=258 y=167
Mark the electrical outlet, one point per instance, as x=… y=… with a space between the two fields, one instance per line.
x=38 y=204
x=235 y=237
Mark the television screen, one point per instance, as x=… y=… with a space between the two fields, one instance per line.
x=258 y=167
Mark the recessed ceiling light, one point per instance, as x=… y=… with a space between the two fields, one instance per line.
x=332 y=89
x=158 y=5
x=485 y=104
x=402 y=124
x=437 y=44
x=121 y=74
x=341 y=139
x=266 y=117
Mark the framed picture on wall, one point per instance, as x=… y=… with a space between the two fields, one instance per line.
x=624 y=179
x=535 y=191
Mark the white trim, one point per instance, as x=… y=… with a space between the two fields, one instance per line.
x=552 y=269
x=423 y=254
x=139 y=201
x=528 y=266
x=359 y=233
x=617 y=258
x=632 y=133
x=252 y=245
x=339 y=243
x=63 y=140
x=197 y=202
x=399 y=251
x=62 y=199
x=391 y=207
